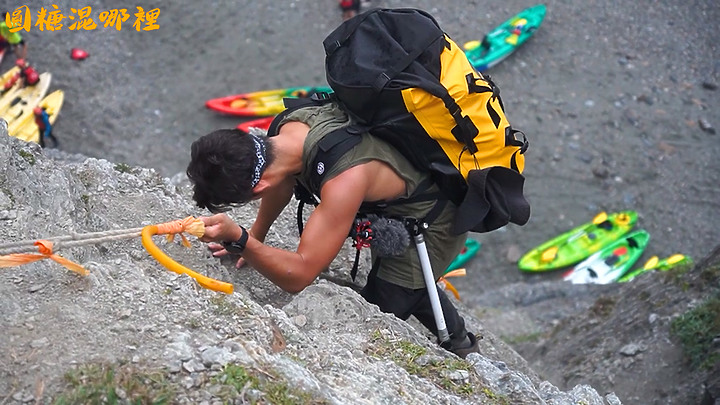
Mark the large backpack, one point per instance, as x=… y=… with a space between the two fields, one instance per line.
x=401 y=78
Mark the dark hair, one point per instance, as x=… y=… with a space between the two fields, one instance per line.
x=222 y=164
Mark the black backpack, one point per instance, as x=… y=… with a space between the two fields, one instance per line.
x=401 y=78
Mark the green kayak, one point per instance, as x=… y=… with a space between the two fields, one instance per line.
x=654 y=263
x=471 y=248
x=499 y=43
x=578 y=243
x=611 y=262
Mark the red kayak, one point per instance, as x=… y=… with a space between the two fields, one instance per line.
x=262 y=123
x=260 y=103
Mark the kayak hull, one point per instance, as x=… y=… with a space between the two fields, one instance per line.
x=610 y=263
x=502 y=41
x=262 y=123
x=260 y=103
x=578 y=243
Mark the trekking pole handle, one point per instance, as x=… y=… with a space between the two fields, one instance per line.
x=443 y=335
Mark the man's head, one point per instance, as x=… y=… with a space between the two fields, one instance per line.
x=225 y=166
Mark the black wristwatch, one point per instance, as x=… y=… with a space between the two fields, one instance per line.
x=237 y=247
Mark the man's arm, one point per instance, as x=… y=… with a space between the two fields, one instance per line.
x=271 y=206
x=323 y=237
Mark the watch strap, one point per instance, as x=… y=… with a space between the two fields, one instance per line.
x=237 y=246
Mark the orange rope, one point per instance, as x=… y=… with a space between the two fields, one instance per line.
x=44 y=252
x=444 y=281
x=192 y=226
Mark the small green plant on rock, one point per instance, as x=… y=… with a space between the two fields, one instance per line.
x=123 y=168
x=697 y=330
x=29 y=157
x=110 y=384
x=405 y=354
x=238 y=380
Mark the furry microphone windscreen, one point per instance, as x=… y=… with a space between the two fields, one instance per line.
x=390 y=237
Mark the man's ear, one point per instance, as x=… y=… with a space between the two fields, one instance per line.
x=260 y=187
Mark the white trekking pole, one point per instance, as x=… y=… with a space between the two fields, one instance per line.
x=443 y=335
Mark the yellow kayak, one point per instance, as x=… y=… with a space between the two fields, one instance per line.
x=8 y=96
x=52 y=103
x=20 y=109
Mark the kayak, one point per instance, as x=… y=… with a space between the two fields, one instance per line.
x=20 y=107
x=29 y=130
x=260 y=103
x=262 y=123
x=468 y=251
x=9 y=74
x=656 y=264
x=499 y=43
x=578 y=243
x=611 y=262
x=24 y=100
x=7 y=96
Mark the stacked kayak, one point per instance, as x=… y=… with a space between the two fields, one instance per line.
x=499 y=43
x=260 y=103
x=611 y=262
x=578 y=243
x=18 y=107
x=8 y=95
x=18 y=102
x=601 y=251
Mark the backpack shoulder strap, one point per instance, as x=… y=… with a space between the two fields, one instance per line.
x=330 y=149
x=293 y=104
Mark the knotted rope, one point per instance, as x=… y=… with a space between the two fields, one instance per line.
x=18 y=253
x=192 y=226
x=444 y=281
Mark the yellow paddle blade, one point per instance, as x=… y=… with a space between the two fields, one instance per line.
x=600 y=218
x=470 y=45
x=549 y=254
x=651 y=263
x=452 y=289
x=512 y=39
x=456 y=273
x=675 y=258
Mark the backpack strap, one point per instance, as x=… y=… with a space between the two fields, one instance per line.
x=294 y=104
x=330 y=149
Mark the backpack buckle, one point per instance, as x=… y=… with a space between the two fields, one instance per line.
x=320 y=96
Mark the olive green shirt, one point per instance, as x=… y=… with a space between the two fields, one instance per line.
x=441 y=244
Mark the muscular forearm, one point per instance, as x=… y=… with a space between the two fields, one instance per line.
x=288 y=270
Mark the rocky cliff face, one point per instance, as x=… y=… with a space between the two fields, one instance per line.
x=133 y=331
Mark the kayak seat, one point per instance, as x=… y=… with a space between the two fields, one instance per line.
x=606 y=225
x=612 y=260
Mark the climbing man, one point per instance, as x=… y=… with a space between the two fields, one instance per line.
x=230 y=168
